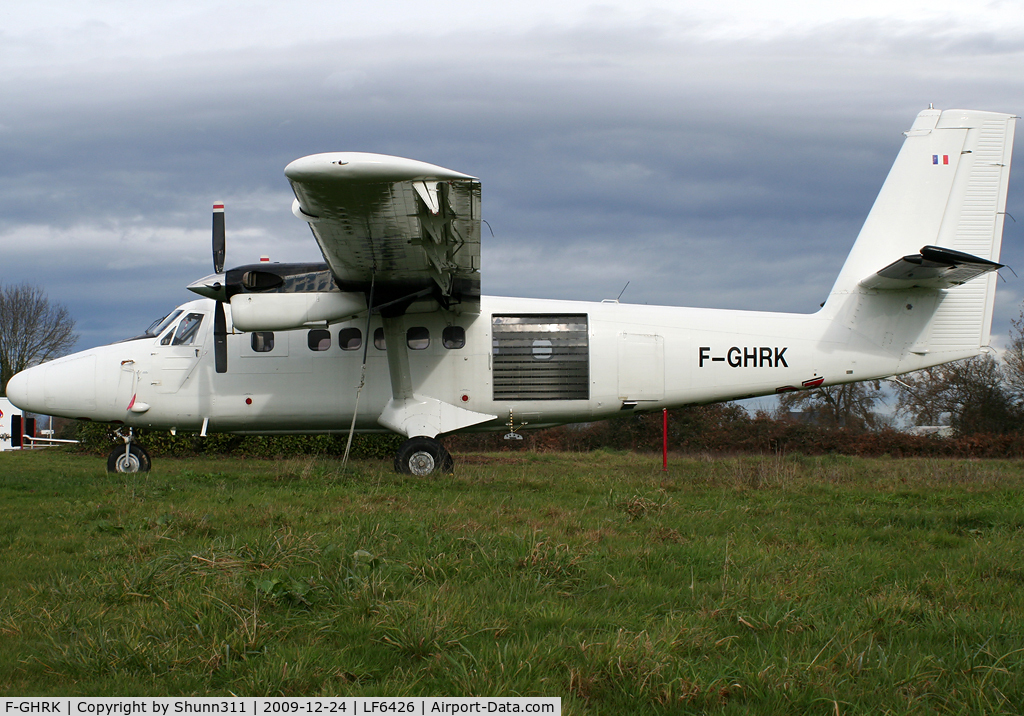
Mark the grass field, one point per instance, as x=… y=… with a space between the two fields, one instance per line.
x=737 y=585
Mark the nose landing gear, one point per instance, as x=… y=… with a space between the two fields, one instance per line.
x=130 y=458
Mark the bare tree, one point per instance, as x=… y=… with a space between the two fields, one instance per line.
x=32 y=330
x=977 y=395
x=973 y=396
x=850 y=405
x=1013 y=359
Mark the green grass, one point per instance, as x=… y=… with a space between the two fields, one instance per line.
x=791 y=585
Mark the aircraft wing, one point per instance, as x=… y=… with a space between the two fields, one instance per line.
x=410 y=226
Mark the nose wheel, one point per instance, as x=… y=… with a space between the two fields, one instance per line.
x=422 y=456
x=128 y=458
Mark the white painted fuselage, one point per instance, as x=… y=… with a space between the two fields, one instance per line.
x=637 y=357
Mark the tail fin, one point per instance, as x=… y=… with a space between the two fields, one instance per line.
x=946 y=190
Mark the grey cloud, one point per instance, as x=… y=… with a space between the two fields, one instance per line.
x=708 y=173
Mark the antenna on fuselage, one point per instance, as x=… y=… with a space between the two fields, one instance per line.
x=616 y=299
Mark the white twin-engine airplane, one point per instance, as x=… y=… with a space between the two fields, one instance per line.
x=392 y=334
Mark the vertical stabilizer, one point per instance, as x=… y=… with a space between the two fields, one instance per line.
x=946 y=189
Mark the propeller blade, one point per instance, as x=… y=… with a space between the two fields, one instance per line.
x=220 y=338
x=218 y=237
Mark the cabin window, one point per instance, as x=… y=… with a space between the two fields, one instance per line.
x=541 y=357
x=350 y=339
x=453 y=337
x=263 y=341
x=187 y=330
x=378 y=340
x=417 y=338
x=319 y=339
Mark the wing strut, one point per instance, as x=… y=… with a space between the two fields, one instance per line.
x=362 y=373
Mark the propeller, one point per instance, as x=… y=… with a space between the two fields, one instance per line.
x=220 y=324
x=218 y=237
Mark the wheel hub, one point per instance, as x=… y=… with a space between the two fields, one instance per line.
x=421 y=463
x=128 y=463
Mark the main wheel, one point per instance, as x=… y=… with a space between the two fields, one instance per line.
x=423 y=456
x=134 y=458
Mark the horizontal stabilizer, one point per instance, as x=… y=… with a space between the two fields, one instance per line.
x=935 y=267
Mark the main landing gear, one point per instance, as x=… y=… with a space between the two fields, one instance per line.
x=420 y=456
x=423 y=456
x=132 y=457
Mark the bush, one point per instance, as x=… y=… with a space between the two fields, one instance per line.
x=728 y=429
x=99 y=438
x=723 y=428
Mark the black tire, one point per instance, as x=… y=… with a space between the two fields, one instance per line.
x=423 y=456
x=135 y=459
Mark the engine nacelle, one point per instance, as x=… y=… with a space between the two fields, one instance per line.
x=289 y=311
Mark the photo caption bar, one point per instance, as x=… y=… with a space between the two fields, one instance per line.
x=312 y=706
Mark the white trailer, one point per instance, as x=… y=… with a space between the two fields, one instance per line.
x=14 y=427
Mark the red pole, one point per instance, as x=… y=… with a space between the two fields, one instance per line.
x=664 y=439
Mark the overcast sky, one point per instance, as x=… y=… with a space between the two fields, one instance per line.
x=711 y=154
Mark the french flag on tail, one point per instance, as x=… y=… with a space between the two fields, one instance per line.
x=944 y=157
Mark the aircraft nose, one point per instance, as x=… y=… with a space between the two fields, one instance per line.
x=65 y=387
x=25 y=391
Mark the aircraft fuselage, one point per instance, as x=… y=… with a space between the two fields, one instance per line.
x=547 y=361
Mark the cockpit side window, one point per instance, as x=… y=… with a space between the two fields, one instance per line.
x=187 y=330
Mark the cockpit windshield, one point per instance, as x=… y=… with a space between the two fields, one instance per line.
x=186 y=332
x=157 y=327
